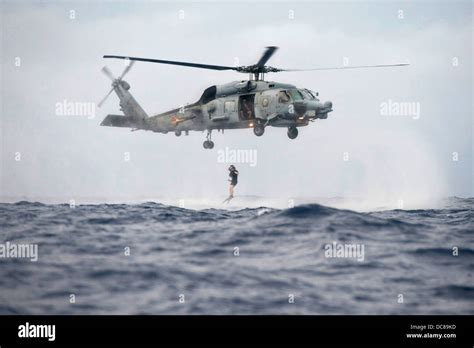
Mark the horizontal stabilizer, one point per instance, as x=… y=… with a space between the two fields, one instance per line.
x=119 y=121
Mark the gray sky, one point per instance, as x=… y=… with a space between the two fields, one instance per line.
x=389 y=157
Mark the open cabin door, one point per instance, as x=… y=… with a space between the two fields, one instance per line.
x=247 y=107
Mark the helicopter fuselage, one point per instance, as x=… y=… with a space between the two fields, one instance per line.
x=236 y=105
x=243 y=104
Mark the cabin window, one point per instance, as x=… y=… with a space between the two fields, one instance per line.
x=229 y=106
x=283 y=97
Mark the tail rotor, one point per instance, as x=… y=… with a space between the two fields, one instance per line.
x=115 y=81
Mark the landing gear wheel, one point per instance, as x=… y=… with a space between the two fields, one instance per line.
x=259 y=129
x=177 y=133
x=292 y=132
x=208 y=144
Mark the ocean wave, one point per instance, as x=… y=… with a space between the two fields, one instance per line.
x=244 y=261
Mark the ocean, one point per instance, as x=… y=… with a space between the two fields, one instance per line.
x=151 y=258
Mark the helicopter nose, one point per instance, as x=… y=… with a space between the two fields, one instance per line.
x=319 y=107
x=324 y=110
x=327 y=105
x=316 y=109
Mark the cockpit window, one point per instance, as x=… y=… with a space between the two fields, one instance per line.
x=306 y=94
x=283 y=97
x=295 y=94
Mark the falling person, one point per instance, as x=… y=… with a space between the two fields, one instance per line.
x=233 y=175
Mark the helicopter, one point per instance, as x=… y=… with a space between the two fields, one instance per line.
x=253 y=103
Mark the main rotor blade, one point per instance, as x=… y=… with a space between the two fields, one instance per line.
x=266 y=55
x=347 y=67
x=127 y=69
x=191 y=65
x=105 y=98
x=107 y=72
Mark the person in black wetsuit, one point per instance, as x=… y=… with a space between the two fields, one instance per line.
x=233 y=175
